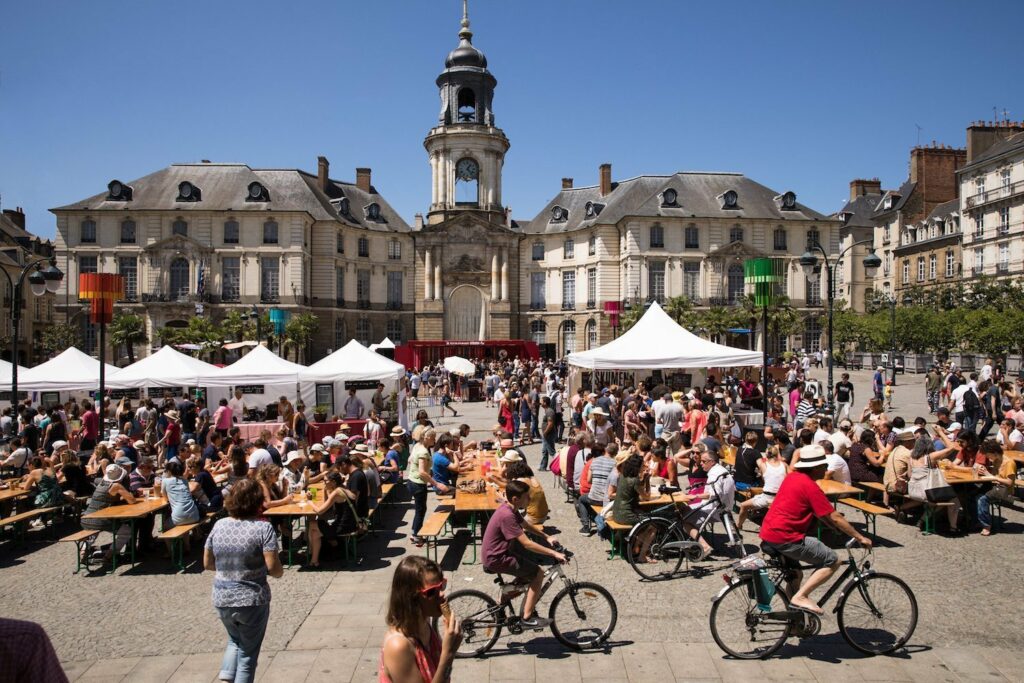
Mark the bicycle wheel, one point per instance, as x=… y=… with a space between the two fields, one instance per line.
x=878 y=614
x=742 y=629
x=583 y=615
x=481 y=617
x=661 y=563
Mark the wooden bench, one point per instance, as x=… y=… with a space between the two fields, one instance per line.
x=618 y=538
x=929 y=515
x=82 y=539
x=177 y=536
x=21 y=520
x=385 y=491
x=870 y=512
x=433 y=526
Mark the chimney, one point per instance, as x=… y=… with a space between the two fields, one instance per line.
x=566 y=183
x=606 y=179
x=934 y=169
x=864 y=186
x=981 y=135
x=16 y=216
x=323 y=173
x=419 y=221
x=363 y=179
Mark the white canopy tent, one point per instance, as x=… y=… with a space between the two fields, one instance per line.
x=264 y=377
x=5 y=375
x=656 y=342
x=352 y=363
x=385 y=343
x=167 y=367
x=70 y=371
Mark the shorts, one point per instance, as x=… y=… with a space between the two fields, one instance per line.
x=762 y=501
x=809 y=551
x=521 y=565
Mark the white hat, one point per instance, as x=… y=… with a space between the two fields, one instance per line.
x=139 y=444
x=292 y=457
x=510 y=456
x=59 y=444
x=317 y=447
x=455 y=431
x=190 y=442
x=955 y=427
x=811 y=457
x=113 y=474
x=598 y=411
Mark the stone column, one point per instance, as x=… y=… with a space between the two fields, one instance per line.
x=504 y=273
x=438 y=292
x=428 y=274
x=494 y=274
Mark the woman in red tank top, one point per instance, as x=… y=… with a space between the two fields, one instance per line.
x=412 y=651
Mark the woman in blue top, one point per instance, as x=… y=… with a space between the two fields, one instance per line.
x=444 y=467
x=242 y=549
x=179 y=495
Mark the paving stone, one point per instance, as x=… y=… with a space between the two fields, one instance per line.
x=289 y=666
x=74 y=670
x=154 y=669
x=333 y=666
x=110 y=669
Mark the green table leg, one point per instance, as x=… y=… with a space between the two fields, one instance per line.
x=472 y=535
x=131 y=539
x=291 y=543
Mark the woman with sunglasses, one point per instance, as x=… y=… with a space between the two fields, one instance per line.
x=412 y=651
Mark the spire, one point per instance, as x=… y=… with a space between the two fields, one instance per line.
x=465 y=34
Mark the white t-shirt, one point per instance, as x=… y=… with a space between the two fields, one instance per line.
x=837 y=464
x=1015 y=438
x=986 y=373
x=821 y=435
x=260 y=456
x=840 y=442
x=958 y=397
x=723 y=484
x=237 y=406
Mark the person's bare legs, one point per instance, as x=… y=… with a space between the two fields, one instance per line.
x=695 y=536
x=745 y=508
x=802 y=598
x=533 y=594
x=315 y=542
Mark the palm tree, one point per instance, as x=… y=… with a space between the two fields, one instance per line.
x=680 y=309
x=59 y=337
x=129 y=330
x=299 y=332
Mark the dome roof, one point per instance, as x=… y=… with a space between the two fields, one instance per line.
x=466 y=55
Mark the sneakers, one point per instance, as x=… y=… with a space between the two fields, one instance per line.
x=585 y=530
x=418 y=541
x=535 y=622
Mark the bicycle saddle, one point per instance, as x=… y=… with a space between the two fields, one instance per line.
x=770 y=551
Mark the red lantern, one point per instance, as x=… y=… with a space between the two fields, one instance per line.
x=101 y=290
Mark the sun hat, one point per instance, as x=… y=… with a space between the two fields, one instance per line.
x=908 y=434
x=190 y=442
x=397 y=430
x=598 y=411
x=59 y=444
x=172 y=414
x=811 y=457
x=113 y=474
x=292 y=457
x=139 y=444
x=343 y=427
x=510 y=456
x=361 y=448
x=622 y=457
x=676 y=395
x=317 y=448
x=507 y=443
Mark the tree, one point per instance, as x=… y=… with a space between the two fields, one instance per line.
x=629 y=317
x=299 y=332
x=59 y=337
x=200 y=330
x=128 y=330
x=715 y=321
x=680 y=309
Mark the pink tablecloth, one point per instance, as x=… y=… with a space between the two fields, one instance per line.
x=315 y=432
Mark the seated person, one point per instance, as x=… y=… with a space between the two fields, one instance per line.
x=334 y=516
x=1004 y=469
x=797 y=505
x=632 y=486
x=747 y=472
x=42 y=479
x=537 y=511
x=773 y=470
x=508 y=549
x=444 y=464
x=661 y=464
x=391 y=467
x=208 y=495
x=838 y=469
x=179 y=493
x=110 y=490
x=866 y=462
x=719 y=485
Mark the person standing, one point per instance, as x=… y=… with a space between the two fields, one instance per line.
x=354 y=407
x=548 y=432
x=932 y=387
x=878 y=383
x=844 y=397
x=242 y=549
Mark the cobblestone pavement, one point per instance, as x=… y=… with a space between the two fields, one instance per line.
x=149 y=624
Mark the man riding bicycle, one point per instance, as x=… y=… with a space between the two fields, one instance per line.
x=508 y=550
x=797 y=504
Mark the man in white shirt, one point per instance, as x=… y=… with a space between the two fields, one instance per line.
x=838 y=469
x=720 y=484
x=1010 y=436
x=986 y=371
x=18 y=456
x=841 y=441
x=824 y=431
x=259 y=455
x=237 y=405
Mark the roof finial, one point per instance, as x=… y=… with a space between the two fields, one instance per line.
x=465 y=33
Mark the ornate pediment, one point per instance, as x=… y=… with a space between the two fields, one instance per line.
x=178 y=243
x=736 y=250
x=469 y=228
x=467 y=264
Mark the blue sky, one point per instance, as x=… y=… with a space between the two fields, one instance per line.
x=798 y=95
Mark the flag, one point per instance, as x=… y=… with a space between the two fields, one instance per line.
x=201 y=287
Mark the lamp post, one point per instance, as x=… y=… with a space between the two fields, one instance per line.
x=40 y=281
x=890 y=301
x=809 y=263
x=254 y=313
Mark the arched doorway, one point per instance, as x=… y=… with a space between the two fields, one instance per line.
x=465 y=315
x=179 y=276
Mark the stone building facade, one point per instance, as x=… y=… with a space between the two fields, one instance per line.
x=18 y=248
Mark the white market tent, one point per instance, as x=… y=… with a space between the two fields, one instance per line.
x=261 y=368
x=656 y=342
x=5 y=375
x=72 y=370
x=165 y=368
x=385 y=343
x=352 y=363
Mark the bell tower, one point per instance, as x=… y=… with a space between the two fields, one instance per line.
x=466 y=150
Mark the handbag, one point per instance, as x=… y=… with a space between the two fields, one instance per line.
x=937 y=490
x=901 y=486
x=362 y=524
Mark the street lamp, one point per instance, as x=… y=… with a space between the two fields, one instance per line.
x=40 y=281
x=254 y=313
x=809 y=263
x=890 y=301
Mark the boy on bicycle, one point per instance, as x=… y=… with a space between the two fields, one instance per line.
x=796 y=506
x=508 y=550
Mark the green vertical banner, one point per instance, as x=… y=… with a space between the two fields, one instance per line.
x=764 y=274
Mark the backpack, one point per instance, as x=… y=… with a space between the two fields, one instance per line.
x=972 y=406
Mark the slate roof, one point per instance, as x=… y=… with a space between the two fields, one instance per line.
x=224 y=186
x=904 y=192
x=861 y=210
x=1014 y=142
x=945 y=209
x=699 y=196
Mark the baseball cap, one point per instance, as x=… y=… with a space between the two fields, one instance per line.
x=59 y=444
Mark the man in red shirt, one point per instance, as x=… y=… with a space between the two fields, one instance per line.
x=797 y=504
x=90 y=427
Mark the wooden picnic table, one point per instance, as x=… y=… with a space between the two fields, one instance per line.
x=304 y=512
x=956 y=478
x=479 y=506
x=119 y=514
x=13 y=494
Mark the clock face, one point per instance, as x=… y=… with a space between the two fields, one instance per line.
x=467 y=169
x=255 y=191
x=185 y=190
x=557 y=213
x=730 y=198
x=115 y=189
x=670 y=196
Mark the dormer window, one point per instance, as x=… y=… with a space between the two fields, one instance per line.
x=887 y=203
x=118 y=191
x=257 y=193
x=559 y=215
x=670 y=197
x=593 y=209
x=787 y=201
x=343 y=206
x=187 y=192
x=373 y=212
x=730 y=199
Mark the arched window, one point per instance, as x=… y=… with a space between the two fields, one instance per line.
x=179 y=278
x=812 y=334
x=364 y=333
x=736 y=234
x=467 y=106
x=591 y=335
x=735 y=282
x=395 y=330
x=538 y=332
x=568 y=337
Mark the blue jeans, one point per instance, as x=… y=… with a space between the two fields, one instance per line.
x=419 y=504
x=534 y=426
x=547 y=449
x=246 y=627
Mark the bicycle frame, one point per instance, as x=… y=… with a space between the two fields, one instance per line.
x=681 y=519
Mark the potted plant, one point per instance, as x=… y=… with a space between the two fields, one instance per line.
x=320 y=413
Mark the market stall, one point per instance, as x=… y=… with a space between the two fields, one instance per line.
x=167 y=368
x=263 y=377
x=353 y=366
x=71 y=373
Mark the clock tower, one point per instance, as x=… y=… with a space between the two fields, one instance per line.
x=467 y=251
x=466 y=150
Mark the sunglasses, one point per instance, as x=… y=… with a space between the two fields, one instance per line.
x=434 y=590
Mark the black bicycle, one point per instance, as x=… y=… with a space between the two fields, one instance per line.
x=670 y=545
x=751 y=617
x=582 y=614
